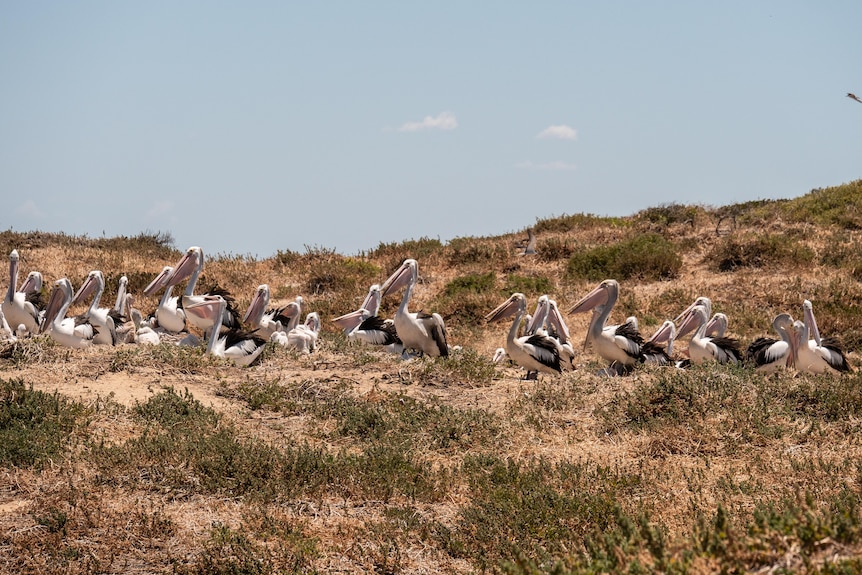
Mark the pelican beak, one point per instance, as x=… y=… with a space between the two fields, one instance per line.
x=689 y=323
x=505 y=309
x=599 y=296
x=159 y=282
x=664 y=334
x=372 y=300
x=351 y=320
x=55 y=303
x=257 y=306
x=85 y=290
x=556 y=320
x=397 y=280
x=33 y=283
x=208 y=309
x=183 y=269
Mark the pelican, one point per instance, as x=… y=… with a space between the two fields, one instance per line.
x=818 y=355
x=102 y=318
x=717 y=324
x=658 y=349
x=266 y=322
x=702 y=347
x=6 y=333
x=170 y=315
x=618 y=344
x=122 y=288
x=74 y=332
x=143 y=335
x=530 y=248
x=362 y=325
x=548 y=319
x=303 y=337
x=16 y=306
x=239 y=346
x=768 y=354
x=499 y=355
x=419 y=331
x=190 y=266
x=537 y=352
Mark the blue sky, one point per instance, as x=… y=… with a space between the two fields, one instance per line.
x=249 y=128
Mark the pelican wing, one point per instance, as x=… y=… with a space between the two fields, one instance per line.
x=629 y=339
x=726 y=349
x=377 y=331
x=833 y=354
x=543 y=349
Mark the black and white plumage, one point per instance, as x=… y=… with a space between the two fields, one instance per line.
x=267 y=321
x=190 y=266
x=818 y=355
x=536 y=352
x=419 y=331
x=75 y=332
x=768 y=354
x=106 y=320
x=364 y=324
x=169 y=315
x=18 y=307
x=240 y=346
x=703 y=348
x=618 y=344
x=658 y=349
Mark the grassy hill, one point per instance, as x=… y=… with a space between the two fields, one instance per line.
x=162 y=460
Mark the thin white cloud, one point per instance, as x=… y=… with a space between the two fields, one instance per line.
x=442 y=121
x=29 y=209
x=559 y=166
x=561 y=132
x=160 y=208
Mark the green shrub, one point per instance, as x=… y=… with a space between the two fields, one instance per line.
x=35 y=426
x=732 y=252
x=647 y=256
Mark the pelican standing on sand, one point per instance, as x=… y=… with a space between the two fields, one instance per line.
x=536 y=352
x=418 y=331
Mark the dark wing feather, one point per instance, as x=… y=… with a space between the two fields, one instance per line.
x=546 y=343
x=730 y=345
x=839 y=360
x=652 y=352
x=756 y=352
x=385 y=329
x=36 y=299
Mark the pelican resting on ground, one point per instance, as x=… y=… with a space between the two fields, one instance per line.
x=17 y=307
x=170 y=315
x=702 y=348
x=618 y=344
x=530 y=247
x=267 y=321
x=303 y=337
x=240 y=346
x=425 y=333
x=658 y=349
x=768 y=354
x=361 y=325
x=190 y=266
x=536 y=352
x=818 y=355
x=76 y=332
x=105 y=320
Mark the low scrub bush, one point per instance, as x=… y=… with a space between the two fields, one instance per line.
x=647 y=257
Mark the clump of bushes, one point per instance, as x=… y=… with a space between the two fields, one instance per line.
x=734 y=252
x=647 y=256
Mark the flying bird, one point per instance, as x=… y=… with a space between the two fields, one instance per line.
x=853 y=96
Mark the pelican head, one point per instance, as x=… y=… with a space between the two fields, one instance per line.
x=191 y=262
x=606 y=291
x=258 y=304
x=406 y=275
x=159 y=282
x=517 y=303
x=95 y=282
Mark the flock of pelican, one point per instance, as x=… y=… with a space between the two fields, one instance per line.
x=540 y=342
x=545 y=344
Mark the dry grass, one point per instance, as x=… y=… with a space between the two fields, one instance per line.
x=351 y=460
